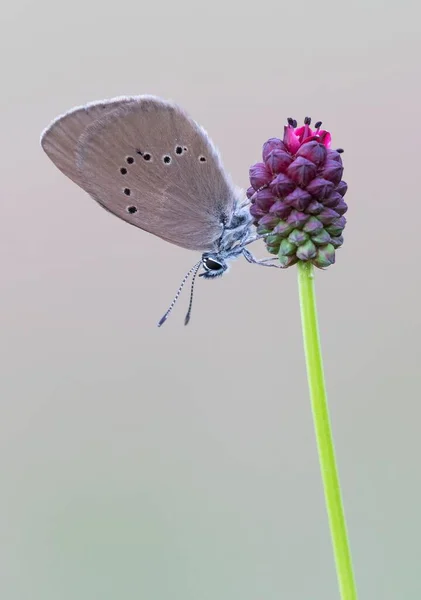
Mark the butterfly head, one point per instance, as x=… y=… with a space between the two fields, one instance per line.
x=213 y=264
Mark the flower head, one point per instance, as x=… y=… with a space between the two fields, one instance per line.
x=297 y=195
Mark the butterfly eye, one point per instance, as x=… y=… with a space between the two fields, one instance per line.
x=129 y=160
x=123 y=170
x=147 y=156
x=211 y=264
x=178 y=150
x=202 y=158
x=131 y=209
x=127 y=191
x=166 y=159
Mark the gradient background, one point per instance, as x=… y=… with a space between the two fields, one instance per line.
x=181 y=463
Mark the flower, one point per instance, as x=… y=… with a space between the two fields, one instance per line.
x=297 y=195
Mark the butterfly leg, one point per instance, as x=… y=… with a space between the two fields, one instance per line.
x=263 y=262
x=256 y=238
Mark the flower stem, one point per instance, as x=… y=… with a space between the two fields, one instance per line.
x=323 y=431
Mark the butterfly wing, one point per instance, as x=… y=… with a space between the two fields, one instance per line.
x=150 y=164
x=59 y=140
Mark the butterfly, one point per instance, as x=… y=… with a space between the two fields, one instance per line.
x=149 y=163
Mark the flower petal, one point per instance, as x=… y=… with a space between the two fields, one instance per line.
x=291 y=140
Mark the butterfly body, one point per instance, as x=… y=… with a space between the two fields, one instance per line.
x=146 y=161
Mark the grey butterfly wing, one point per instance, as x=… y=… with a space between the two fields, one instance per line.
x=59 y=140
x=150 y=164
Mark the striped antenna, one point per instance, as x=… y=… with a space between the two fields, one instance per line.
x=188 y=315
x=165 y=317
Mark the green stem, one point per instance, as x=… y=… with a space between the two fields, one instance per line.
x=323 y=431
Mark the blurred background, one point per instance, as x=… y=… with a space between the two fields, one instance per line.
x=180 y=463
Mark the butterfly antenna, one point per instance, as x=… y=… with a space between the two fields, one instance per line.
x=188 y=315
x=165 y=317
